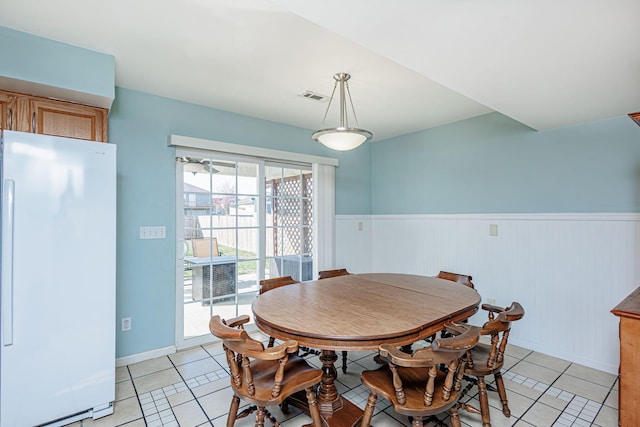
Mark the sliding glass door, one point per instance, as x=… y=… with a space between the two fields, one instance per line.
x=240 y=220
x=289 y=217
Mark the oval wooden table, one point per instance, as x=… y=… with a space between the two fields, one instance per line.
x=360 y=312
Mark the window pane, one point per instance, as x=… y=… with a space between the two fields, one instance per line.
x=287 y=212
x=196 y=319
x=272 y=173
x=271 y=269
x=212 y=279
x=248 y=179
x=298 y=267
x=224 y=177
x=226 y=239
x=248 y=243
x=225 y=308
x=247 y=211
x=248 y=278
x=290 y=184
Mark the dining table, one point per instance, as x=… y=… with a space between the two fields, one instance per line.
x=359 y=312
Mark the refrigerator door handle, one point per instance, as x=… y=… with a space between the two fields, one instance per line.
x=7 y=261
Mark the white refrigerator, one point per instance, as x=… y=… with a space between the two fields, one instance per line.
x=57 y=343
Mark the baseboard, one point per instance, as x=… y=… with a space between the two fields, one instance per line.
x=590 y=363
x=141 y=357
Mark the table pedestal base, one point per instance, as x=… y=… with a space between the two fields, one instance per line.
x=329 y=400
x=334 y=410
x=349 y=415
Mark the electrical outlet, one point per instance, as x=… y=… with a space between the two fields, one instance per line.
x=126 y=324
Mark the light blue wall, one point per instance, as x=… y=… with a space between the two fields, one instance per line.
x=140 y=124
x=38 y=60
x=492 y=164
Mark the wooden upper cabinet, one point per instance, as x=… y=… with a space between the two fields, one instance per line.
x=7 y=110
x=58 y=118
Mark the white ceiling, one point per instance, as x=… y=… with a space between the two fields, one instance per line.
x=415 y=64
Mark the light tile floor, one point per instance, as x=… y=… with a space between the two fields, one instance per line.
x=191 y=388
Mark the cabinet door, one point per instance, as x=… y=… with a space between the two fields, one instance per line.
x=7 y=111
x=66 y=119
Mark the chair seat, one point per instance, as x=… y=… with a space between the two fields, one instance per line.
x=298 y=375
x=480 y=356
x=414 y=383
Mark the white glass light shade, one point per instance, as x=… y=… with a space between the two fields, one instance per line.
x=342 y=139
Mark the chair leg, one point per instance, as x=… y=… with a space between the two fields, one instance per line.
x=502 y=393
x=417 y=422
x=233 y=411
x=484 y=402
x=314 y=411
x=368 y=410
x=455 y=418
x=260 y=416
x=344 y=362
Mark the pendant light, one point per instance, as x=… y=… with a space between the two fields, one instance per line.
x=343 y=137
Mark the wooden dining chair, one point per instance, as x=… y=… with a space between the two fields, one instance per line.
x=458 y=278
x=268 y=284
x=327 y=274
x=463 y=279
x=263 y=377
x=422 y=384
x=488 y=359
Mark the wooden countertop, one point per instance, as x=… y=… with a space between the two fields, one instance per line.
x=630 y=306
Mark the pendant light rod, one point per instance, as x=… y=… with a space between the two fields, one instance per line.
x=342 y=78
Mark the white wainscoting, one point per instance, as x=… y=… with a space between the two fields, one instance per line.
x=567 y=270
x=353 y=243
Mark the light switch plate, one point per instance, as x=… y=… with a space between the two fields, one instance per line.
x=156 y=232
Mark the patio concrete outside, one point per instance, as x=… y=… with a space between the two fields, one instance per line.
x=197 y=315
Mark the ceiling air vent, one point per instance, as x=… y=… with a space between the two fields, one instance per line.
x=314 y=96
x=635 y=117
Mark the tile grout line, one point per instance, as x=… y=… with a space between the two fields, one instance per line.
x=135 y=390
